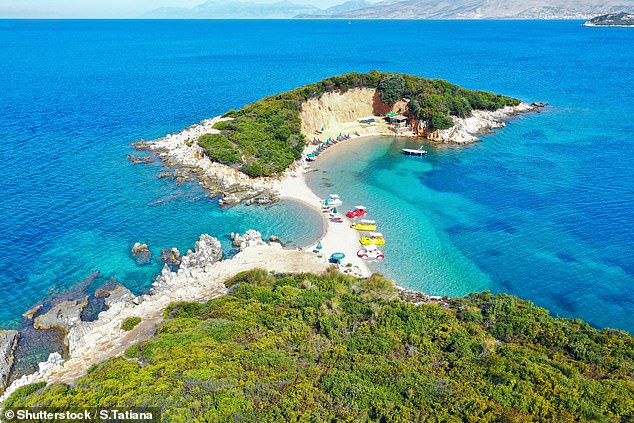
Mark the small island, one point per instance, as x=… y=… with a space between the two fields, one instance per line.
x=612 y=19
x=243 y=153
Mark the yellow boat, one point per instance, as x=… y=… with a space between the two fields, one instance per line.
x=374 y=238
x=364 y=225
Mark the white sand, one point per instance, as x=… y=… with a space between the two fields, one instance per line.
x=338 y=237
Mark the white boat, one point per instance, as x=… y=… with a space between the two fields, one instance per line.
x=414 y=152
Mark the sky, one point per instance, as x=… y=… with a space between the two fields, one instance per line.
x=108 y=8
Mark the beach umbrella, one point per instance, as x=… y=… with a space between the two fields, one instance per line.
x=338 y=256
x=334 y=210
x=319 y=246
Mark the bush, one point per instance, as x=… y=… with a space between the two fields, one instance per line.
x=335 y=348
x=440 y=121
x=391 y=88
x=219 y=148
x=130 y=323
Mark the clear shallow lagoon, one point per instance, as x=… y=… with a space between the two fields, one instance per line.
x=543 y=209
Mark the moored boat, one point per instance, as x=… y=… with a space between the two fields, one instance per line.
x=414 y=152
x=371 y=252
x=373 y=238
x=357 y=212
x=364 y=225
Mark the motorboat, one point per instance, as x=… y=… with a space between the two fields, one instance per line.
x=357 y=212
x=373 y=238
x=414 y=152
x=364 y=225
x=371 y=252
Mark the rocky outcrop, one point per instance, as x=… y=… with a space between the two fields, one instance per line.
x=249 y=239
x=466 y=130
x=194 y=265
x=8 y=342
x=182 y=152
x=142 y=253
x=137 y=160
x=63 y=316
x=117 y=294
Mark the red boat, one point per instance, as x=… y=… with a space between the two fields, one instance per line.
x=357 y=212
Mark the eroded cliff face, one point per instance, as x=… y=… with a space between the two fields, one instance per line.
x=336 y=109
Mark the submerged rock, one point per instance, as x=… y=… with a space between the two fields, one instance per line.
x=8 y=342
x=172 y=256
x=64 y=316
x=137 y=160
x=30 y=313
x=55 y=360
x=141 y=253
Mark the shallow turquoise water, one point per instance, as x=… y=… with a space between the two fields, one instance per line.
x=543 y=209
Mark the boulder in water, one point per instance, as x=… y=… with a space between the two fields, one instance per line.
x=141 y=253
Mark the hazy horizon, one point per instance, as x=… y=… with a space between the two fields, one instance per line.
x=113 y=9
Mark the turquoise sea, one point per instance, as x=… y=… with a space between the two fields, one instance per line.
x=542 y=209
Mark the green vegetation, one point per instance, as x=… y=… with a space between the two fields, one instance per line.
x=264 y=137
x=333 y=348
x=391 y=88
x=130 y=323
x=219 y=148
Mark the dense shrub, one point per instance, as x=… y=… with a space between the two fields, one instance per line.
x=391 y=88
x=219 y=148
x=333 y=348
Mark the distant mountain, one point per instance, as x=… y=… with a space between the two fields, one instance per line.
x=488 y=9
x=403 y=9
x=225 y=9
x=612 y=19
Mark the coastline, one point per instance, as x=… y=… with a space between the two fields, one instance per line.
x=200 y=277
x=203 y=279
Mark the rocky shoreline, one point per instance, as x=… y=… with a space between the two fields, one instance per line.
x=467 y=130
x=181 y=152
x=199 y=277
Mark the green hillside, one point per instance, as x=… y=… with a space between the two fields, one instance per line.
x=265 y=137
x=333 y=348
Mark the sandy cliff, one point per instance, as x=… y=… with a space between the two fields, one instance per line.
x=340 y=112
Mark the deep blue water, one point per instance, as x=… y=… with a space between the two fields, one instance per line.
x=542 y=209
